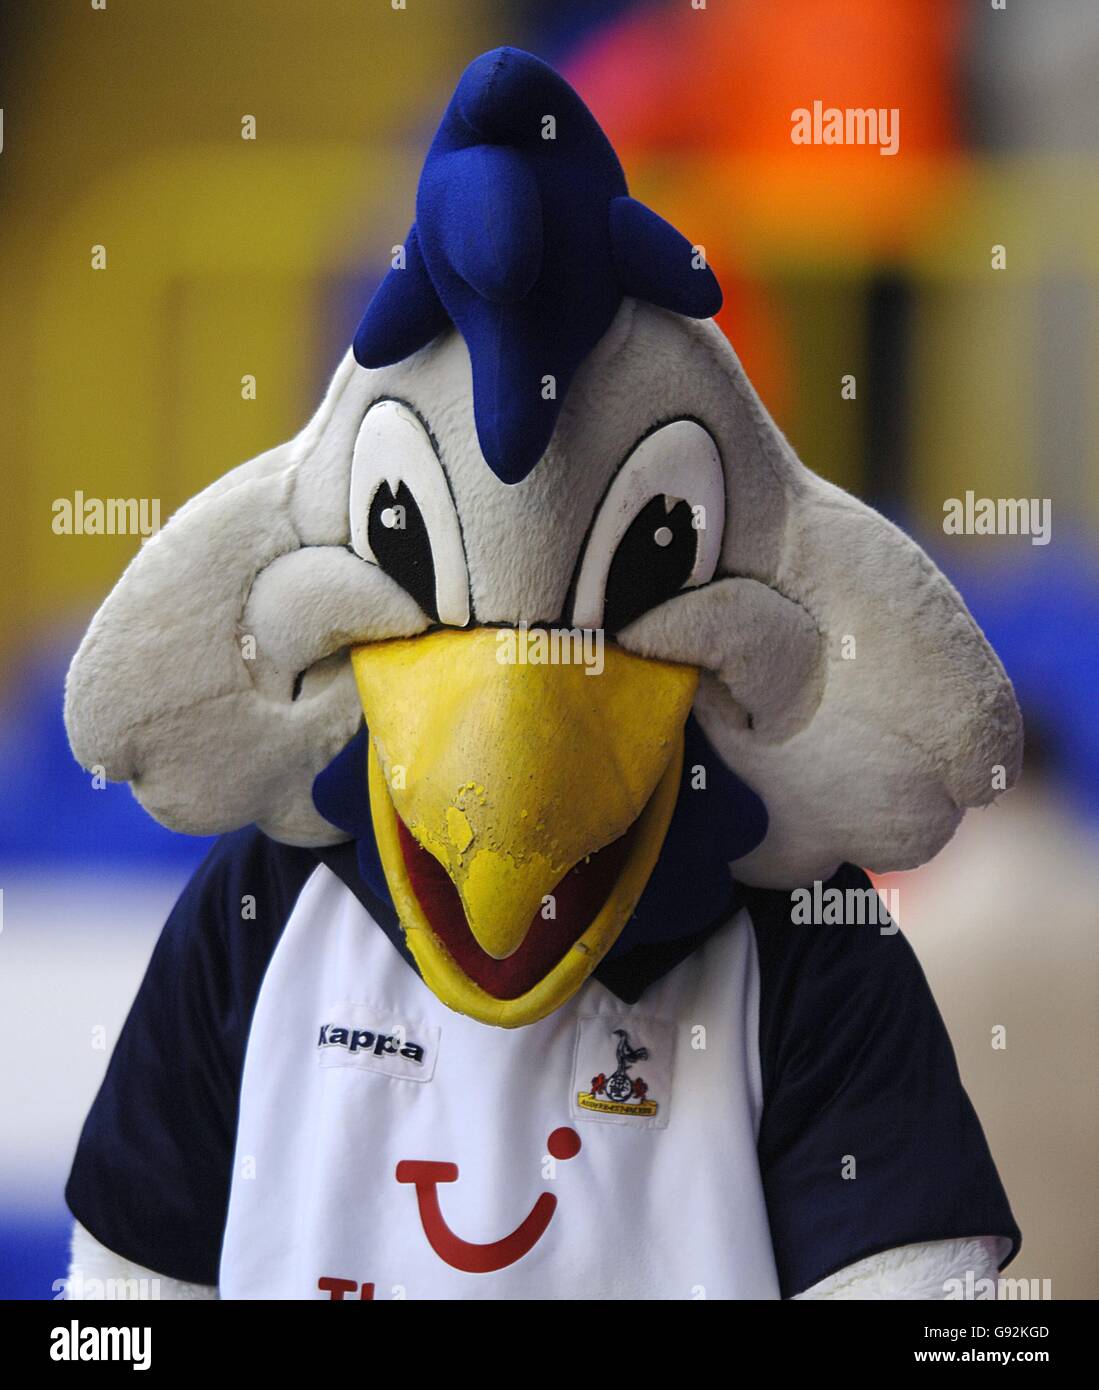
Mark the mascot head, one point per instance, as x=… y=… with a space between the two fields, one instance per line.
x=540 y=608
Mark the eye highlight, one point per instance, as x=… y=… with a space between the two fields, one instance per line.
x=402 y=516
x=658 y=530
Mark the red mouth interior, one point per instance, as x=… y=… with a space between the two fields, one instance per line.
x=578 y=898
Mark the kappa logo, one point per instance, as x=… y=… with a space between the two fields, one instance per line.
x=620 y=1093
x=364 y=1040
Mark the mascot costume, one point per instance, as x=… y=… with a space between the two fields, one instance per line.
x=531 y=961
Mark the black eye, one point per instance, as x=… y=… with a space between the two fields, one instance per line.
x=652 y=562
x=399 y=541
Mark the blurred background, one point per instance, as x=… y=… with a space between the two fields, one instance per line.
x=229 y=257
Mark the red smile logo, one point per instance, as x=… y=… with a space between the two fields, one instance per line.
x=462 y=1254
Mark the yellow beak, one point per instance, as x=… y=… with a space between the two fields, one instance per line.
x=494 y=786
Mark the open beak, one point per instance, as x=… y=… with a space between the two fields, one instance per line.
x=518 y=809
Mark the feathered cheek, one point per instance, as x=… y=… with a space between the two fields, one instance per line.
x=307 y=608
x=766 y=650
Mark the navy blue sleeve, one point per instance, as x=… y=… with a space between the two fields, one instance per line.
x=867 y=1139
x=152 y=1170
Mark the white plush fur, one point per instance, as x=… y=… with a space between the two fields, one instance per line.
x=940 y=1270
x=909 y=1272
x=97 y=1274
x=184 y=682
x=872 y=760
x=767 y=652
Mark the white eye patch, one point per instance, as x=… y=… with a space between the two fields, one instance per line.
x=679 y=462
x=396 y=477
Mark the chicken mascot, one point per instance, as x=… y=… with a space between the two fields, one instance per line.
x=543 y=701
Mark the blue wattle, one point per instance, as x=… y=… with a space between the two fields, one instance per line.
x=341 y=794
x=717 y=819
x=713 y=825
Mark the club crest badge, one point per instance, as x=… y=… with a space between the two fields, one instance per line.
x=620 y=1091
